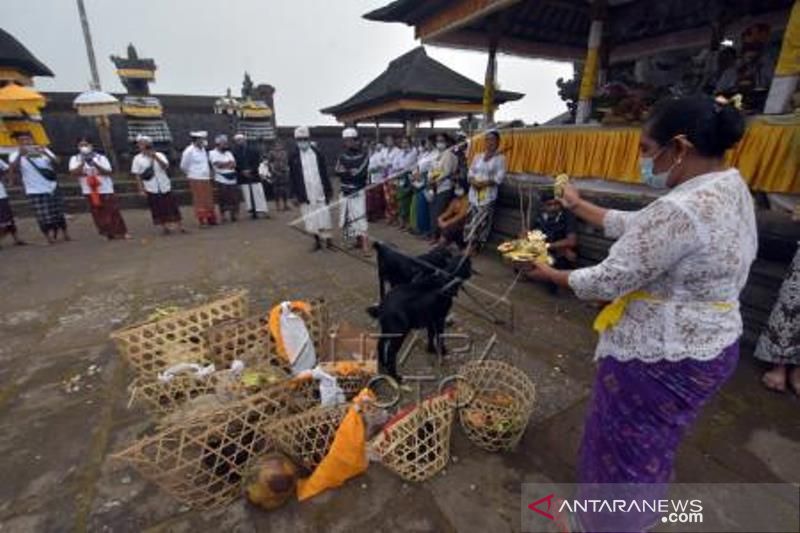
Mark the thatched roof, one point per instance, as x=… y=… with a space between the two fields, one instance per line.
x=559 y=29
x=417 y=76
x=13 y=54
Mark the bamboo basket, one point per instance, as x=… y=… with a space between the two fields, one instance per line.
x=416 y=445
x=500 y=400
x=307 y=437
x=249 y=338
x=201 y=460
x=163 y=398
x=152 y=347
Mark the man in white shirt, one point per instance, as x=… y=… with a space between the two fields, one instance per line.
x=93 y=171
x=150 y=167
x=223 y=164
x=36 y=165
x=194 y=163
x=7 y=224
x=311 y=188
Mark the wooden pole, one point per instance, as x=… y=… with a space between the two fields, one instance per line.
x=787 y=70
x=490 y=82
x=103 y=123
x=592 y=64
x=87 y=38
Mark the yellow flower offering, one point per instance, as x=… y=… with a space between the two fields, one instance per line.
x=561 y=181
x=532 y=248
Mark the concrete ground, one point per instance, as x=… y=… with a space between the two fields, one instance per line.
x=59 y=304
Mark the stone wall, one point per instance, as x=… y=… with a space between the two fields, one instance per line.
x=183 y=113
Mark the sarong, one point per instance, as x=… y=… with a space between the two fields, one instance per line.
x=440 y=202
x=203 y=201
x=390 y=199
x=107 y=218
x=780 y=342
x=637 y=417
x=7 y=224
x=280 y=186
x=404 y=194
x=376 y=204
x=254 y=198
x=317 y=218
x=228 y=198
x=423 y=218
x=479 y=225
x=353 y=215
x=163 y=208
x=49 y=210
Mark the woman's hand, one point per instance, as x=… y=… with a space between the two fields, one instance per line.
x=571 y=197
x=538 y=271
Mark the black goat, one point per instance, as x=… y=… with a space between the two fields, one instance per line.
x=424 y=302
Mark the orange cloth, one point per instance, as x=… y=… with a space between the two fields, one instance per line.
x=94 y=190
x=347 y=457
x=456 y=210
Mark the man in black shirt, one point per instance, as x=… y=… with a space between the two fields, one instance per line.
x=560 y=227
x=351 y=168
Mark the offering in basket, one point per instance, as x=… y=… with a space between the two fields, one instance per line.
x=533 y=248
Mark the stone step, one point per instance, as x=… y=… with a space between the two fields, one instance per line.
x=78 y=204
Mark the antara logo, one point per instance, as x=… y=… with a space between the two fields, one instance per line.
x=549 y=501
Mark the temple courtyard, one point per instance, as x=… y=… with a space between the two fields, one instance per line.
x=64 y=389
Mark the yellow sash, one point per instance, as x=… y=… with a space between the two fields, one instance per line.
x=613 y=312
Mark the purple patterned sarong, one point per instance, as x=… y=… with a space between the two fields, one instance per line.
x=637 y=417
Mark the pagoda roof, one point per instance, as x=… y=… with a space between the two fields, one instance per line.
x=13 y=54
x=415 y=77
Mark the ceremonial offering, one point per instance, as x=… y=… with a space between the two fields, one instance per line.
x=561 y=181
x=532 y=248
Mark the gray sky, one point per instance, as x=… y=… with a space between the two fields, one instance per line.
x=315 y=52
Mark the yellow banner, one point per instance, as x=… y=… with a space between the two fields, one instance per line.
x=589 y=78
x=137 y=111
x=136 y=73
x=768 y=156
x=789 y=60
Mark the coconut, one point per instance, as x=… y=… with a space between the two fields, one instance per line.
x=270 y=481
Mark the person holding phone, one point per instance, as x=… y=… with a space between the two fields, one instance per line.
x=36 y=166
x=93 y=170
x=150 y=167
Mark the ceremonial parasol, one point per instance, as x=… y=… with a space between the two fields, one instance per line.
x=95 y=103
x=16 y=99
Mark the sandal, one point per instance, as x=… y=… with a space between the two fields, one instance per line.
x=775 y=379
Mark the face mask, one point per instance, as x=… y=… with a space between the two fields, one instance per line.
x=441 y=146
x=303 y=145
x=648 y=175
x=85 y=150
x=650 y=178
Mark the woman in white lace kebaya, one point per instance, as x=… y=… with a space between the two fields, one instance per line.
x=669 y=339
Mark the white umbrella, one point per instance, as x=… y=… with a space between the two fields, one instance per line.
x=96 y=104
